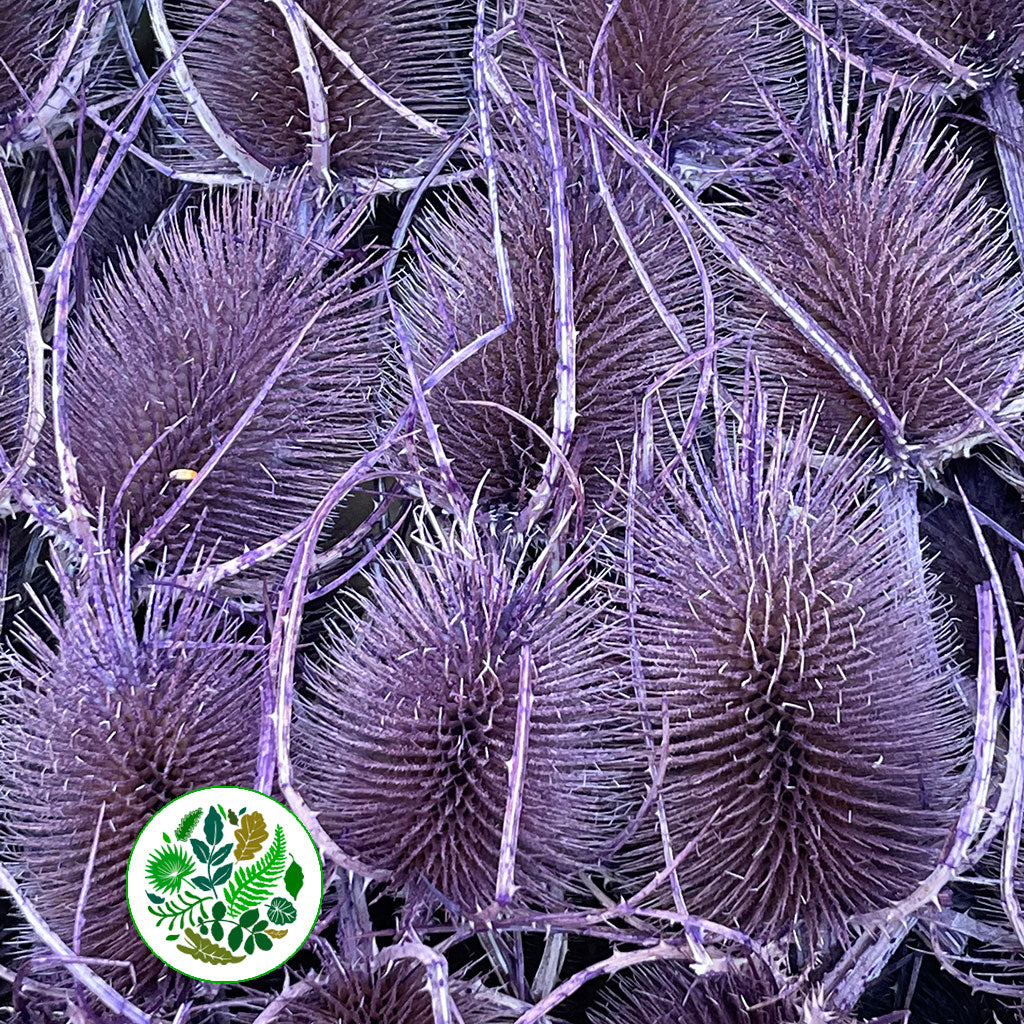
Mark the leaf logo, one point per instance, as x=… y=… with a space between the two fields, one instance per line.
x=224 y=884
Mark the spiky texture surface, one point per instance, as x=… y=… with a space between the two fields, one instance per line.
x=814 y=727
x=682 y=71
x=742 y=993
x=99 y=716
x=904 y=265
x=622 y=345
x=396 y=993
x=13 y=362
x=29 y=36
x=413 y=49
x=985 y=35
x=196 y=322
x=405 y=742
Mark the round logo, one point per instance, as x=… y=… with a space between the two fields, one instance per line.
x=224 y=884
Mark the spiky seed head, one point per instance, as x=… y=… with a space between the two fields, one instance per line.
x=404 y=744
x=685 y=72
x=190 y=329
x=737 y=992
x=881 y=240
x=395 y=993
x=30 y=32
x=814 y=725
x=622 y=344
x=415 y=50
x=985 y=35
x=99 y=720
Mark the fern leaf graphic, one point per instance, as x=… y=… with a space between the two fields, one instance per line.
x=253 y=884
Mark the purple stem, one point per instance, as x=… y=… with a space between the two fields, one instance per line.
x=505 y=888
x=1006 y=122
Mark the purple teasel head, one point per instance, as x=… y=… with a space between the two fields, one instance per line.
x=686 y=74
x=414 y=52
x=395 y=992
x=487 y=410
x=110 y=714
x=733 y=992
x=220 y=377
x=462 y=733
x=815 y=734
x=984 y=37
x=881 y=238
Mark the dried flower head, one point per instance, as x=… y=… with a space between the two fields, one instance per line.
x=738 y=992
x=622 y=344
x=986 y=36
x=685 y=72
x=395 y=993
x=814 y=725
x=104 y=724
x=177 y=344
x=415 y=708
x=905 y=266
x=412 y=49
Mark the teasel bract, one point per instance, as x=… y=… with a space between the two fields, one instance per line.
x=413 y=50
x=179 y=342
x=686 y=74
x=415 y=709
x=878 y=236
x=622 y=345
x=396 y=992
x=814 y=726
x=104 y=725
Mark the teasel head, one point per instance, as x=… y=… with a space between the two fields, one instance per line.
x=736 y=991
x=233 y=319
x=878 y=236
x=984 y=36
x=464 y=679
x=412 y=50
x=814 y=727
x=452 y=295
x=30 y=35
x=395 y=992
x=685 y=74
x=105 y=723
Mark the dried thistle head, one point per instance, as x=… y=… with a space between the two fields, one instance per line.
x=404 y=744
x=182 y=337
x=30 y=33
x=907 y=268
x=683 y=72
x=737 y=992
x=814 y=725
x=622 y=344
x=412 y=49
x=394 y=993
x=102 y=719
x=986 y=36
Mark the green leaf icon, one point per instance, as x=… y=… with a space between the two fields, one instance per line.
x=250 y=944
x=217 y=931
x=232 y=817
x=208 y=951
x=188 y=824
x=213 y=827
x=248 y=919
x=253 y=884
x=293 y=879
x=263 y=941
x=235 y=937
x=167 y=868
x=221 y=875
x=281 y=911
x=201 y=850
x=218 y=910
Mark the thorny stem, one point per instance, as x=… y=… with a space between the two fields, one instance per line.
x=1005 y=116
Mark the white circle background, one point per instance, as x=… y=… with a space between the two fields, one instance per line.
x=297 y=844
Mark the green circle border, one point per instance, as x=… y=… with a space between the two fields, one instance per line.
x=221 y=981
